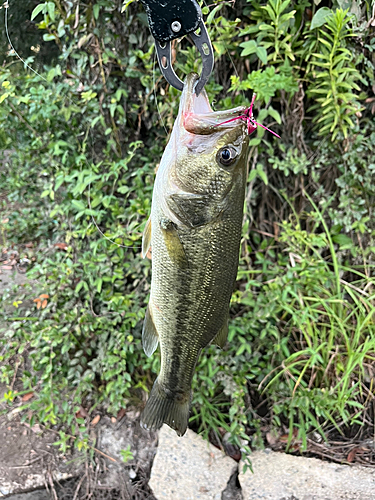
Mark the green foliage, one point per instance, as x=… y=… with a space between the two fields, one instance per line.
x=293 y=162
x=274 y=30
x=354 y=174
x=332 y=338
x=266 y=83
x=127 y=454
x=87 y=339
x=333 y=75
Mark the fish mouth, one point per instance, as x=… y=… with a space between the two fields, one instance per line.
x=197 y=115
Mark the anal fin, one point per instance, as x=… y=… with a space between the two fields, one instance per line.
x=150 y=337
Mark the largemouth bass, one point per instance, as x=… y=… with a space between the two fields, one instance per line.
x=194 y=232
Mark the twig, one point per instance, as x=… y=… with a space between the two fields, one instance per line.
x=50 y=480
x=23 y=119
x=104 y=455
x=354 y=287
x=265 y=233
x=79 y=487
x=15 y=373
x=25 y=465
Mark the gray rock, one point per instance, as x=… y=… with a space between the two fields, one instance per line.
x=32 y=495
x=115 y=438
x=188 y=468
x=32 y=481
x=278 y=476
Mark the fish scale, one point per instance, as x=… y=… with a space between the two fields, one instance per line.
x=194 y=232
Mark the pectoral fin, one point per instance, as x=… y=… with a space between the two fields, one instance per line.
x=146 y=240
x=173 y=243
x=150 y=337
x=194 y=210
x=222 y=335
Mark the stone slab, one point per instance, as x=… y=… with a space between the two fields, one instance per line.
x=33 y=495
x=188 y=468
x=279 y=476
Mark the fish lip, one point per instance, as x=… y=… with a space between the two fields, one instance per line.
x=197 y=115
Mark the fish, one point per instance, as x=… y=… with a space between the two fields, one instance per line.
x=194 y=234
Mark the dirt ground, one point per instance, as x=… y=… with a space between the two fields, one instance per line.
x=27 y=456
x=29 y=460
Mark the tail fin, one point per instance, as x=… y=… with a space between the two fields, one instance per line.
x=163 y=408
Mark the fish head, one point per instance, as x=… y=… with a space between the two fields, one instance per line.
x=208 y=149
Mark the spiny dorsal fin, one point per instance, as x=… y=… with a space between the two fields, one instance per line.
x=150 y=337
x=146 y=240
x=222 y=335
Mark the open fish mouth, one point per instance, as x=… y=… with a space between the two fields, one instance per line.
x=199 y=118
x=197 y=115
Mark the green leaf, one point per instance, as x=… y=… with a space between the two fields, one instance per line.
x=263 y=113
x=275 y=114
x=51 y=74
x=96 y=10
x=240 y=350
x=132 y=39
x=321 y=17
x=126 y=5
x=262 y=174
x=342 y=240
x=262 y=54
x=255 y=141
x=79 y=205
x=249 y=47
x=59 y=180
x=47 y=37
x=252 y=175
x=38 y=9
x=265 y=27
x=65 y=348
x=51 y=10
x=213 y=12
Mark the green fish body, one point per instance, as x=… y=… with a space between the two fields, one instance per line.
x=194 y=232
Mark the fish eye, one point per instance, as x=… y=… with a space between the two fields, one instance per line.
x=226 y=156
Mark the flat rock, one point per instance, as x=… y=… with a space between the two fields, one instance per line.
x=188 y=468
x=33 y=495
x=278 y=476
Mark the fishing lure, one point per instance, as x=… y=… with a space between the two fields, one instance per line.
x=249 y=119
